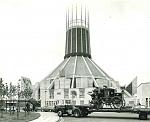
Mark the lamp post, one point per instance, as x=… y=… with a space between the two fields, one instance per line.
x=45 y=98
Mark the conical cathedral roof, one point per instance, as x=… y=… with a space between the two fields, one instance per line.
x=79 y=66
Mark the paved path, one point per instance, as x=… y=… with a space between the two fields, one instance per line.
x=47 y=117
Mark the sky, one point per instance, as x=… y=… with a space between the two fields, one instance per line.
x=32 y=37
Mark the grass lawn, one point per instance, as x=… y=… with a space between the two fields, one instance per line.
x=13 y=118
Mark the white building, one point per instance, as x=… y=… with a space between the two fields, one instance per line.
x=131 y=93
x=36 y=91
x=143 y=94
x=25 y=83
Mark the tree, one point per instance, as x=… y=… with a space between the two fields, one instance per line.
x=1 y=96
x=27 y=93
x=34 y=103
x=12 y=90
x=6 y=94
x=1 y=88
x=11 y=93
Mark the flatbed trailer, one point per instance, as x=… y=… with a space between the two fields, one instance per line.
x=143 y=112
x=82 y=111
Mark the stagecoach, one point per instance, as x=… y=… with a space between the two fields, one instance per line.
x=108 y=97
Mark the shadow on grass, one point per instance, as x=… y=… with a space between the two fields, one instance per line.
x=13 y=118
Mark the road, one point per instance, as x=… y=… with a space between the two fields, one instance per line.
x=107 y=117
x=47 y=117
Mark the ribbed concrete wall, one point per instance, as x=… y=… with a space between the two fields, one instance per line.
x=77 y=42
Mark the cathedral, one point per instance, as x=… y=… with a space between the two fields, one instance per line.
x=77 y=74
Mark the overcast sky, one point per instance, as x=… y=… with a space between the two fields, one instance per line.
x=32 y=37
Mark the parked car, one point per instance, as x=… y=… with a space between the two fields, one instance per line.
x=2 y=109
x=37 y=108
x=25 y=109
x=11 y=108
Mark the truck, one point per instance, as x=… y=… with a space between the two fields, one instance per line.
x=100 y=99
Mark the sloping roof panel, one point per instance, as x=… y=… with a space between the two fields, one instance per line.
x=94 y=70
x=81 y=68
x=68 y=69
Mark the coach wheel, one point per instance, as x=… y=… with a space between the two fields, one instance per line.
x=60 y=113
x=117 y=103
x=76 y=113
x=100 y=105
x=124 y=103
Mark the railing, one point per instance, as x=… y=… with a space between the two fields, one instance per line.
x=78 y=22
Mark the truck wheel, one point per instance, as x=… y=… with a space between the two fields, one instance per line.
x=68 y=114
x=60 y=113
x=143 y=116
x=76 y=113
x=85 y=114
